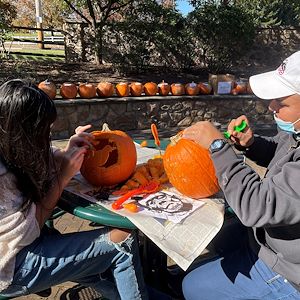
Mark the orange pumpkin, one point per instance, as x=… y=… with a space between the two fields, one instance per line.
x=136 y=89
x=150 y=88
x=105 y=89
x=191 y=89
x=177 y=89
x=48 y=87
x=68 y=90
x=205 y=88
x=122 y=89
x=240 y=87
x=87 y=90
x=190 y=168
x=112 y=161
x=164 y=88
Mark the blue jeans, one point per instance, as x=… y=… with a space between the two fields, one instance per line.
x=237 y=275
x=80 y=257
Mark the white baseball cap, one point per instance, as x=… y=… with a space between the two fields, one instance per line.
x=283 y=82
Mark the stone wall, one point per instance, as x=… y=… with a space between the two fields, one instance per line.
x=170 y=113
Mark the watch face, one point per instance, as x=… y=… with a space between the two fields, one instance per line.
x=217 y=145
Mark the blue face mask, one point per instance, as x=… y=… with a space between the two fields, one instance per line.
x=286 y=126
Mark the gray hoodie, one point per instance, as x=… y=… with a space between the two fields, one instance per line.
x=271 y=206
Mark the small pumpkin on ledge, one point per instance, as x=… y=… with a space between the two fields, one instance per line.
x=150 y=88
x=68 y=90
x=105 y=89
x=177 y=89
x=48 y=87
x=164 y=88
x=122 y=89
x=87 y=90
x=112 y=161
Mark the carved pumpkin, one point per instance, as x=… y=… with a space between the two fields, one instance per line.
x=68 y=90
x=150 y=88
x=105 y=89
x=48 y=87
x=164 y=88
x=122 y=89
x=112 y=161
x=177 y=89
x=191 y=89
x=87 y=90
x=205 y=88
x=136 y=89
x=190 y=168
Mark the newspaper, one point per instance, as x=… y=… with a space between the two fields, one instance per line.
x=183 y=242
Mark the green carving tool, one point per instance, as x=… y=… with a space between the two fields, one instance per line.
x=237 y=128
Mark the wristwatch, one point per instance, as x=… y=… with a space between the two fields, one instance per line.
x=217 y=145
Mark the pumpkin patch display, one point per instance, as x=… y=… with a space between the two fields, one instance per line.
x=122 y=89
x=177 y=89
x=150 y=88
x=191 y=89
x=164 y=88
x=105 y=89
x=112 y=160
x=68 y=90
x=48 y=87
x=205 y=88
x=136 y=89
x=87 y=90
x=190 y=168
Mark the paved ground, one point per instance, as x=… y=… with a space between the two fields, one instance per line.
x=68 y=291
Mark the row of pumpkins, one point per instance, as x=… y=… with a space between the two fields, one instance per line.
x=113 y=160
x=123 y=89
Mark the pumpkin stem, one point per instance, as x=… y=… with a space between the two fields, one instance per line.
x=105 y=127
x=175 y=138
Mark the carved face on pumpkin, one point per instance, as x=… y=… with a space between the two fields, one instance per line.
x=112 y=161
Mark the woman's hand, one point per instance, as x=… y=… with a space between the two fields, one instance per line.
x=74 y=152
x=244 y=138
x=203 y=133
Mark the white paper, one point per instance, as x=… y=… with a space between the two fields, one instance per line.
x=182 y=241
x=224 y=87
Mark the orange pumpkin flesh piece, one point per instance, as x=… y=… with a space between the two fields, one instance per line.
x=190 y=169
x=112 y=161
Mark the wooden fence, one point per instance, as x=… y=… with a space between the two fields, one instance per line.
x=54 y=40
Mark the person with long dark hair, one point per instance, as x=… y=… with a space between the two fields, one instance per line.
x=32 y=178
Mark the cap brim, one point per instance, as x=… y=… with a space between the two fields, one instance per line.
x=268 y=86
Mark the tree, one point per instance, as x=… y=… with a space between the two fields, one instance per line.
x=225 y=32
x=264 y=12
x=98 y=14
x=7 y=13
x=151 y=34
x=54 y=12
x=273 y=12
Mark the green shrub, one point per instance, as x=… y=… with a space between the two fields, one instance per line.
x=224 y=33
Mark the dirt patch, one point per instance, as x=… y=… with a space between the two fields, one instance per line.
x=88 y=72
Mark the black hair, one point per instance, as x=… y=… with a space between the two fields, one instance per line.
x=26 y=115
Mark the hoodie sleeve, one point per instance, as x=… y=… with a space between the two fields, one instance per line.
x=272 y=201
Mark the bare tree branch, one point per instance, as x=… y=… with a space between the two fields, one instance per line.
x=77 y=11
x=91 y=11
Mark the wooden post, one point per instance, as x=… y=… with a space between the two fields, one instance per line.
x=39 y=23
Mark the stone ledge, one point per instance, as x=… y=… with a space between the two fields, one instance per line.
x=116 y=99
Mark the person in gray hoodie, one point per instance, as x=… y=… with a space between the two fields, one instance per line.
x=267 y=264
